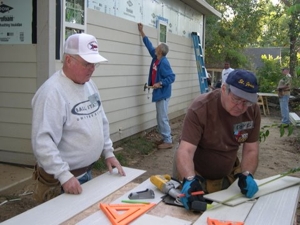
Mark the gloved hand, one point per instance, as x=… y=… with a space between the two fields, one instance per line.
x=188 y=187
x=247 y=185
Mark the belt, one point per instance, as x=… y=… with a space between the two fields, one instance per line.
x=80 y=171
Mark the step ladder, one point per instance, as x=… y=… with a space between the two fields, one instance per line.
x=202 y=73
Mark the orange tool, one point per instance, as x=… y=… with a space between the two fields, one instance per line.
x=193 y=193
x=123 y=214
x=219 y=222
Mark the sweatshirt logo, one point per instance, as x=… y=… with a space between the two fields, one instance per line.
x=86 y=108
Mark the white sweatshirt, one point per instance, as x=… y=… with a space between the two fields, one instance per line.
x=69 y=126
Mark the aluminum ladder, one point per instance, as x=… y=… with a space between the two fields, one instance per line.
x=200 y=63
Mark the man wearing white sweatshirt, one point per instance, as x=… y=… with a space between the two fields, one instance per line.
x=70 y=130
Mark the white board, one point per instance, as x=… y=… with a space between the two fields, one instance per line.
x=234 y=189
x=278 y=208
x=227 y=213
x=65 y=206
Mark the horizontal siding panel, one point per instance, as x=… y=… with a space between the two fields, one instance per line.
x=121 y=81
x=18 y=69
x=18 y=85
x=122 y=92
x=18 y=53
x=128 y=113
x=140 y=121
x=15 y=130
x=16 y=145
x=129 y=102
x=11 y=115
x=106 y=69
x=16 y=100
x=17 y=158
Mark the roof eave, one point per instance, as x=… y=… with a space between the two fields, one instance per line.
x=203 y=7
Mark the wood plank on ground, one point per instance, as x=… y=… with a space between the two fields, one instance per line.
x=65 y=206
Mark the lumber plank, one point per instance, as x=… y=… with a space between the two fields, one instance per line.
x=277 y=208
x=65 y=206
x=276 y=185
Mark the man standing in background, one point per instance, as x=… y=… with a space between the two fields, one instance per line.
x=160 y=78
x=283 y=88
x=227 y=69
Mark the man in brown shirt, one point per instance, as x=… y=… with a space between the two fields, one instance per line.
x=215 y=126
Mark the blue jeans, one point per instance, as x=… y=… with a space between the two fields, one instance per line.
x=163 y=120
x=86 y=177
x=284 y=109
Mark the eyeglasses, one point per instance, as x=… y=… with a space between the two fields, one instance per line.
x=237 y=101
x=86 y=64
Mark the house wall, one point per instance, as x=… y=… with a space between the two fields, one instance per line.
x=17 y=87
x=120 y=81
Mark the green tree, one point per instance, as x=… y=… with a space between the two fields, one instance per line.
x=227 y=37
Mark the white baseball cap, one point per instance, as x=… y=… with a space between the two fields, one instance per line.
x=84 y=45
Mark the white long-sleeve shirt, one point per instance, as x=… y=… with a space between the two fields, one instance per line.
x=225 y=73
x=69 y=126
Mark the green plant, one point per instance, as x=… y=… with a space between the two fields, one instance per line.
x=269 y=74
x=265 y=132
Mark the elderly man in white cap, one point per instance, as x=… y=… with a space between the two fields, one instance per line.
x=70 y=130
x=215 y=126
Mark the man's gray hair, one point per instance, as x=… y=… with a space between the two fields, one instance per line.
x=164 y=49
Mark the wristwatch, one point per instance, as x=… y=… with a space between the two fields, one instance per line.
x=190 y=178
x=246 y=173
x=160 y=83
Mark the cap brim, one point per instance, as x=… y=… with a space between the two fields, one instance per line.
x=93 y=58
x=251 y=97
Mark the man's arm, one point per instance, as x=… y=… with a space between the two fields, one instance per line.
x=250 y=157
x=184 y=159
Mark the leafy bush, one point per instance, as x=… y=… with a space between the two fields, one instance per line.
x=269 y=74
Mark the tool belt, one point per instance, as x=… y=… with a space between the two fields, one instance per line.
x=210 y=186
x=46 y=186
x=283 y=92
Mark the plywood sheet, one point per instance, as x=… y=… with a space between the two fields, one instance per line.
x=276 y=185
x=65 y=206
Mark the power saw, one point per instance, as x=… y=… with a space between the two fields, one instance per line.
x=169 y=186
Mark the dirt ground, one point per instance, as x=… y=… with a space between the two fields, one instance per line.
x=277 y=155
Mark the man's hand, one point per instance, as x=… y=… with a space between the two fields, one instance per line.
x=113 y=162
x=140 y=28
x=247 y=185
x=190 y=186
x=72 y=186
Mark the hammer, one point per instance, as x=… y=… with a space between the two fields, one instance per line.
x=146 y=86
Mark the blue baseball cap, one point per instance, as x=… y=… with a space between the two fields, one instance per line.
x=243 y=84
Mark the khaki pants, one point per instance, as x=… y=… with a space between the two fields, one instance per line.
x=46 y=186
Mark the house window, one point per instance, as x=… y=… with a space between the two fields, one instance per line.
x=161 y=24
x=73 y=18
